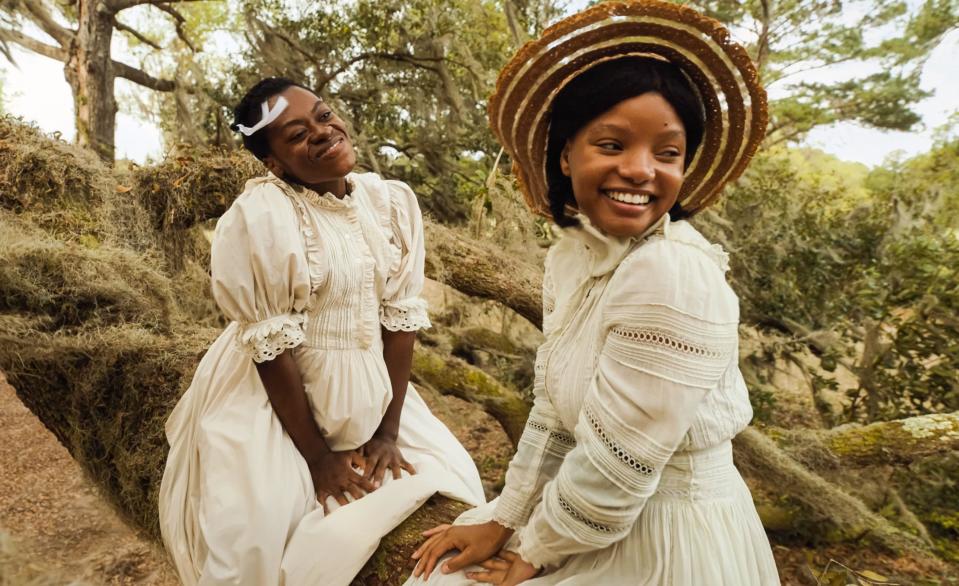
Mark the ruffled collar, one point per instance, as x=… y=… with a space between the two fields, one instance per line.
x=326 y=200
x=602 y=252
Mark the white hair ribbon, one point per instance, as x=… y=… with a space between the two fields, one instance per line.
x=268 y=115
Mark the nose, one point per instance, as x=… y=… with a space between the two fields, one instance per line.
x=637 y=166
x=320 y=132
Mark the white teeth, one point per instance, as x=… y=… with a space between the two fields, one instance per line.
x=632 y=198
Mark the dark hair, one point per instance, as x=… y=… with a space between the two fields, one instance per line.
x=249 y=111
x=598 y=90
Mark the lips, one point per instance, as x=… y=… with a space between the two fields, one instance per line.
x=629 y=197
x=330 y=148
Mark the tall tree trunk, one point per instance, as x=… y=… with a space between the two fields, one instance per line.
x=89 y=71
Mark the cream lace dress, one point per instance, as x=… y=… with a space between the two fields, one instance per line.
x=317 y=276
x=624 y=474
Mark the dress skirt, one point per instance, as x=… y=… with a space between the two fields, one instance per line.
x=237 y=504
x=699 y=529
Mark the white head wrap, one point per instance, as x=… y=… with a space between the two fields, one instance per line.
x=267 y=117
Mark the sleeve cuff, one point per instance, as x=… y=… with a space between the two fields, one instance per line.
x=534 y=552
x=406 y=315
x=512 y=509
x=267 y=339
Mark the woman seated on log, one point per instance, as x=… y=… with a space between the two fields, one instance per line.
x=632 y=117
x=300 y=442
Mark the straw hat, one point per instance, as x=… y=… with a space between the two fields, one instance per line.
x=719 y=69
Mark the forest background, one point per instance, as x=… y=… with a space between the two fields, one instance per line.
x=847 y=274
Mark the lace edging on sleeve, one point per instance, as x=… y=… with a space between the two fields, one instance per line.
x=267 y=339
x=407 y=315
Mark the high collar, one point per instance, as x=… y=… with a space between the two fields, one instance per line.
x=603 y=252
x=326 y=200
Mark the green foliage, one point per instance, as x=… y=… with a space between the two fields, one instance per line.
x=412 y=77
x=883 y=43
x=860 y=269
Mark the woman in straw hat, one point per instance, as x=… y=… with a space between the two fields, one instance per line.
x=621 y=121
x=300 y=442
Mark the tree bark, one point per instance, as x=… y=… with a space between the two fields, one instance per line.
x=451 y=376
x=89 y=71
x=897 y=442
x=480 y=270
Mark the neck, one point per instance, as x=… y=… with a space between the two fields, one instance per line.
x=337 y=187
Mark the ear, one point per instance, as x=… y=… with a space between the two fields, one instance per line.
x=273 y=165
x=564 y=160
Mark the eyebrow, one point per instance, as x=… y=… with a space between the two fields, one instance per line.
x=607 y=127
x=289 y=123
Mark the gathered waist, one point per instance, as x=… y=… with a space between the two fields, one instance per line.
x=704 y=474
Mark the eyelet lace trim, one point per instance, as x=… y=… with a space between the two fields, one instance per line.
x=268 y=339
x=581 y=518
x=617 y=450
x=665 y=339
x=556 y=436
x=406 y=316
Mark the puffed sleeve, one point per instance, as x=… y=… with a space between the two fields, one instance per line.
x=543 y=445
x=671 y=332
x=402 y=308
x=260 y=274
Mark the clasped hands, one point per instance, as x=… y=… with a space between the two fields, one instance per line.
x=338 y=474
x=480 y=545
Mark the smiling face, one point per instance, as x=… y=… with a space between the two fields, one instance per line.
x=309 y=144
x=626 y=165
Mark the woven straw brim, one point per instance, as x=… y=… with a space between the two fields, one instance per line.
x=720 y=70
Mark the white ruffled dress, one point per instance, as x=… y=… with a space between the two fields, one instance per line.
x=624 y=474
x=317 y=276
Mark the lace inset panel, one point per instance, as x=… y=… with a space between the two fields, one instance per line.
x=671 y=345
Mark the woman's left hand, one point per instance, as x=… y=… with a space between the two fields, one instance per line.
x=506 y=569
x=381 y=454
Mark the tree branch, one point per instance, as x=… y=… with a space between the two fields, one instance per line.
x=143 y=78
x=37 y=13
x=34 y=45
x=115 y=6
x=136 y=34
x=178 y=23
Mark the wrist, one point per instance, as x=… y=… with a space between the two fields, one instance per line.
x=387 y=434
x=317 y=459
x=503 y=533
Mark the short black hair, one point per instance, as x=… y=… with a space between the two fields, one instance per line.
x=598 y=90
x=249 y=111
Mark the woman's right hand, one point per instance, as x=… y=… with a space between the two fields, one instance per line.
x=334 y=476
x=476 y=543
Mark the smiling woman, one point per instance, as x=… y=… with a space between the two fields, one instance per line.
x=629 y=115
x=300 y=442
x=621 y=137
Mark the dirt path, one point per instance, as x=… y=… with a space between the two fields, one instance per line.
x=57 y=529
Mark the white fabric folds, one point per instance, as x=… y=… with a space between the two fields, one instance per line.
x=315 y=276
x=624 y=472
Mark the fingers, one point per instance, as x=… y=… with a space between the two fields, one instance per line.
x=491 y=577
x=426 y=545
x=361 y=482
x=407 y=466
x=507 y=555
x=355 y=492
x=395 y=468
x=496 y=564
x=435 y=530
x=322 y=496
x=358 y=460
x=437 y=549
x=380 y=471
x=467 y=557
